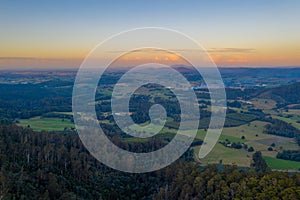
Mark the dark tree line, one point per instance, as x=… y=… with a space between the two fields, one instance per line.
x=281 y=128
x=289 y=155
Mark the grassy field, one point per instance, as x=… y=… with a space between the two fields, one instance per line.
x=47 y=124
x=241 y=157
x=149 y=129
x=293 y=112
x=289 y=120
x=276 y=163
x=259 y=140
x=254 y=137
x=227 y=155
x=64 y=113
x=249 y=131
x=238 y=157
x=265 y=104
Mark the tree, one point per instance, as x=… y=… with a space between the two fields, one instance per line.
x=270 y=149
x=273 y=144
x=250 y=149
x=259 y=164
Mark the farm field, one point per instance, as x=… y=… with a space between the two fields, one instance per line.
x=263 y=103
x=276 y=163
x=254 y=137
x=47 y=124
x=227 y=155
x=289 y=120
x=252 y=133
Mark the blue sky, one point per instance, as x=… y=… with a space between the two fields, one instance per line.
x=70 y=29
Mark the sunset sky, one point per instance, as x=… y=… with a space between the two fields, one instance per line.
x=59 y=34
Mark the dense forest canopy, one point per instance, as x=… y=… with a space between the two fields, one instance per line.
x=45 y=165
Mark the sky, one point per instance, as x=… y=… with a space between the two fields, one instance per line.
x=60 y=34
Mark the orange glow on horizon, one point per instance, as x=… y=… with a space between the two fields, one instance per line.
x=139 y=57
x=226 y=57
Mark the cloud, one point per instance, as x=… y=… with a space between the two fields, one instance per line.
x=36 y=62
x=18 y=58
x=210 y=50
x=231 y=50
x=138 y=50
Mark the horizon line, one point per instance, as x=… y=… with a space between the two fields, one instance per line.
x=125 y=67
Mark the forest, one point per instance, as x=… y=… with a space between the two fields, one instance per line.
x=41 y=165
